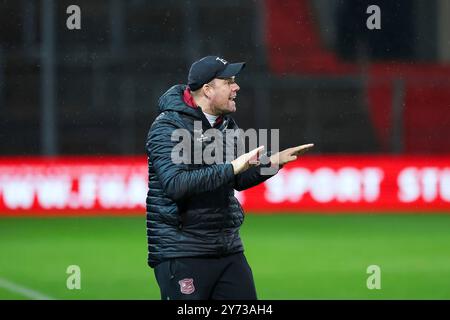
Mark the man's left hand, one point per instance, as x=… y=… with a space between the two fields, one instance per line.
x=288 y=155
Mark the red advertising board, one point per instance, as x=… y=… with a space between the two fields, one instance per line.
x=331 y=184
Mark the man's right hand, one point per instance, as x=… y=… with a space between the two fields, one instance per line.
x=247 y=160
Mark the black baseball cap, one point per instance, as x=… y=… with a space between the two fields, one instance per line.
x=210 y=67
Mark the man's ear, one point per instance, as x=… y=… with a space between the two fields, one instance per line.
x=207 y=91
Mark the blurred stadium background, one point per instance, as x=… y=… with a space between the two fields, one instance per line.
x=76 y=105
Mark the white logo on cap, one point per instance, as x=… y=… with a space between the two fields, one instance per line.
x=222 y=60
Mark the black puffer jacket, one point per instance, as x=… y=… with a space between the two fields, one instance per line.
x=191 y=209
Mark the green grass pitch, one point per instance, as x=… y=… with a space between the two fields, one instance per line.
x=292 y=256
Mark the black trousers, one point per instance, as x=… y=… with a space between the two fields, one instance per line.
x=222 y=278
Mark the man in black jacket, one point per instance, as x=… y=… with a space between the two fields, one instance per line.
x=193 y=217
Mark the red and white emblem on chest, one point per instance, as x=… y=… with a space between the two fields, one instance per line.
x=187 y=285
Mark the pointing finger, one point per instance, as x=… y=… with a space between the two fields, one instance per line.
x=302 y=149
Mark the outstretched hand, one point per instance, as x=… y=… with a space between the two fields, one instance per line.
x=290 y=154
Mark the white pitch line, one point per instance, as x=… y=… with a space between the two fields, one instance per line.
x=27 y=292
